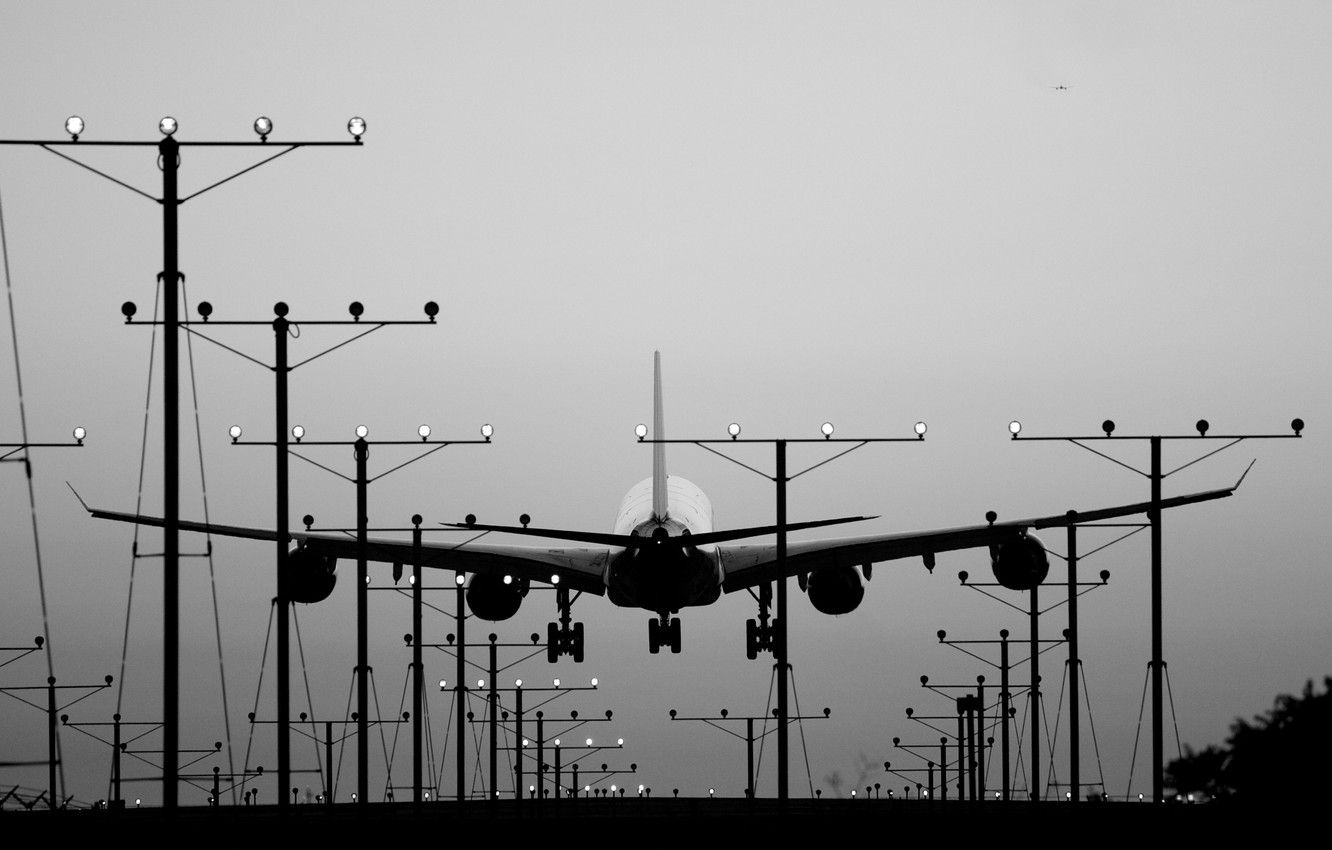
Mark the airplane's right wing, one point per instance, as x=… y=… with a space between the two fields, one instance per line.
x=578 y=568
x=748 y=565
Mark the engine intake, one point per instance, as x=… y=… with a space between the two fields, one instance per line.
x=490 y=598
x=1020 y=563
x=310 y=576
x=835 y=590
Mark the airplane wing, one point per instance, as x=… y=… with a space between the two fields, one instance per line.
x=745 y=566
x=580 y=569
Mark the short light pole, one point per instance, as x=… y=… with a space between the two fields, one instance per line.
x=749 y=737
x=362 y=480
x=1005 y=709
x=776 y=640
x=544 y=696
x=1156 y=476
x=52 y=709
x=169 y=159
x=1035 y=650
x=18 y=453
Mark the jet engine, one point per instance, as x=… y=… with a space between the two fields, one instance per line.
x=310 y=576
x=835 y=590
x=1020 y=563
x=495 y=598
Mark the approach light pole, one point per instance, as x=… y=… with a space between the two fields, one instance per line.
x=362 y=480
x=749 y=737
x=775 y=640
x=7 y=455
x=555 y=691
x=1156 y=476
x=168 y=158
x=282 y=368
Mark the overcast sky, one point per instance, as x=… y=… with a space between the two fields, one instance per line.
x=865 y=213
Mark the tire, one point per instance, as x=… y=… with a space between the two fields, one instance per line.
x=552 y=642
x=751 y=639
x=654 y=636
x=675 y=635
x=578 y=643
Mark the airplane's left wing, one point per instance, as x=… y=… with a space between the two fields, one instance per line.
x=746 y=566
x=580 y=569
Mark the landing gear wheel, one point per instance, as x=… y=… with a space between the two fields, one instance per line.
x=578 y=643
x=674 y=630
x=552 y=642
x=751 y=639
x=654 y=636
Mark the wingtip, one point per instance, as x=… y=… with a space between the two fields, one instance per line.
x=77 y=496
x=1244 y=474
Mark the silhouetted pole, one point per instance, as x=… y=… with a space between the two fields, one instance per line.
x=1005 y=698
x=280 y=372
x=1073 y=739
x=929 y=765
x=494 y=719
x=1035 y=711
x=169 y=158
x=749 y=756
x=943 y=768
x=328 y=762
x=116 y=800
x=51 y=760
x=980 y=736
x=462 y=692
x=518 y=750
x=783 y=664
x=558 y=778
x=971 y=748
x=961 y=754
x=1158 y=663
x=418 y=668
x=361 y=450
x=540 y=758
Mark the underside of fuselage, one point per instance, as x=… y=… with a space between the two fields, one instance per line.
x=664 y=578
x=670 y=574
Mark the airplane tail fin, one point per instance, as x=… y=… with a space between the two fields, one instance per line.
x=658 y=449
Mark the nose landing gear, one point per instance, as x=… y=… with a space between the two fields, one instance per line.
x=566 y=636
x=664 y=632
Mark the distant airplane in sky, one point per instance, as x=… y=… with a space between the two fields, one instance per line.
x=663 y=555
x=1061 y=88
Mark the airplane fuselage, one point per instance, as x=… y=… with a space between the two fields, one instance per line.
x=672 y=574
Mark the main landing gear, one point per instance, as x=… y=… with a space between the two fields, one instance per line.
x=761 y=634
x=566 y=636
x=664 y=632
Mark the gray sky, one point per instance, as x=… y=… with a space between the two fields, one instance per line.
x=867 y=213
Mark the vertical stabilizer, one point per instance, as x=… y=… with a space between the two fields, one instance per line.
x=658 y=449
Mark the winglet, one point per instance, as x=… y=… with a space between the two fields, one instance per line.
x=658 y=449
x=77 y=496
x=1246 y=472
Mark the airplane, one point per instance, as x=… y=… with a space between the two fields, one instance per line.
x=663 y=555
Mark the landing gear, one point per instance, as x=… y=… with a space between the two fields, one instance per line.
x=664 y=632
x=760 y=637
x=760 y=634
x=566 y=636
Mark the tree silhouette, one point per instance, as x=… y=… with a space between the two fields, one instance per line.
x=1278 y=755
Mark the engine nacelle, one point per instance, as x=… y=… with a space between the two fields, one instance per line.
x=835 y=590
x=1020 y=563
x=310 y=576
x=490 y=598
